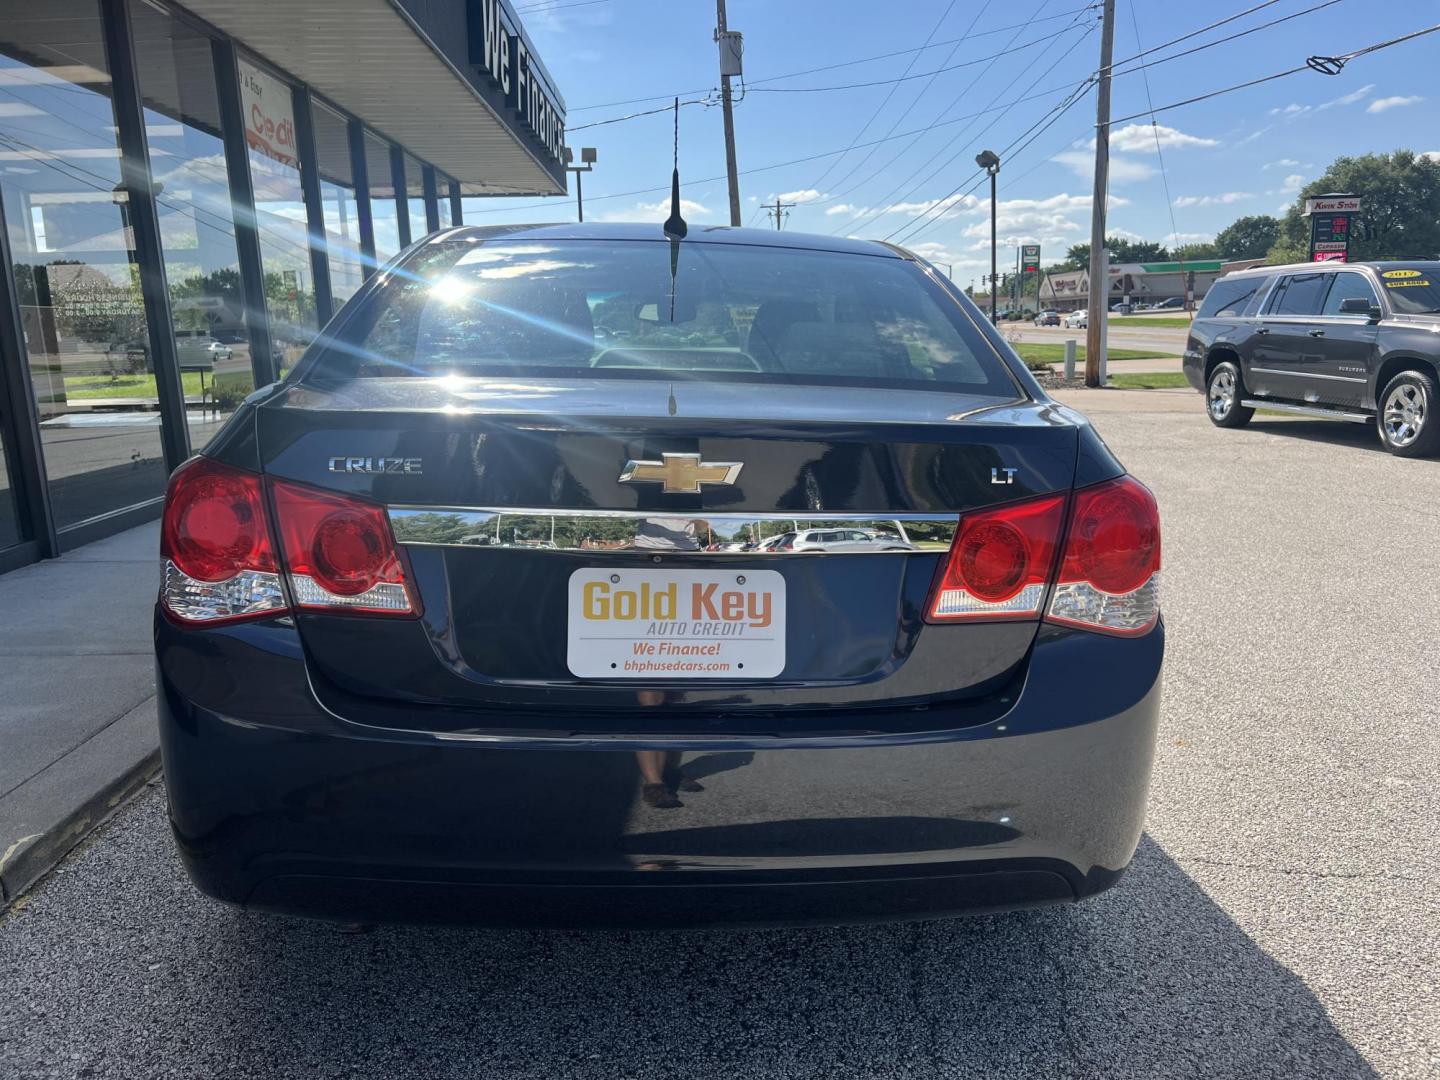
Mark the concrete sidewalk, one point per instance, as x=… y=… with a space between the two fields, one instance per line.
x=77 y=697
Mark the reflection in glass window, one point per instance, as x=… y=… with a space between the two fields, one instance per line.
x=9 y=521
x=382 y=198
x=415 y=197
x=269 y=108
x=337 y=197
x=197 y=228
x=75 y=271
x=442 y=188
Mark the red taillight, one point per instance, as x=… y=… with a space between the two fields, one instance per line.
x=339 y=552
x=216 y=557
x=1109 y=577
x=1000 y=563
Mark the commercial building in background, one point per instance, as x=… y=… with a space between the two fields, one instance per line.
x=189 y=192
x=1147 y=283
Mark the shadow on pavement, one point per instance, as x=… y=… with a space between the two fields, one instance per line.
x=1149 y=980
x=1333 y=432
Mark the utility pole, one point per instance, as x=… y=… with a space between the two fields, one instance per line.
x=722 y=36
x=776 y=209
x=1099 y=299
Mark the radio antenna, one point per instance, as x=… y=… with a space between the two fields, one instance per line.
x=675 y=226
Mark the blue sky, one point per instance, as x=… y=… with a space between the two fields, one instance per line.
x=1242 y=153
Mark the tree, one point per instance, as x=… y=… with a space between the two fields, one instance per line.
x=1121 y=251
x=1399 y=208
x=1196 y=252
x=1248 y=237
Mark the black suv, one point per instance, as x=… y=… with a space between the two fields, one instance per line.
x=1348 y=341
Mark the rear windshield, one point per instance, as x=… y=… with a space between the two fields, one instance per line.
x=641 y=309
x=1413 y=290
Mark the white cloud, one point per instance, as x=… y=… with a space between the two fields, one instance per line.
x=1224 y=198
x=953 y=208
x=1190 y=238
x=842 y=208
x=1380 y=105
x=1141 y=138
x=804 y=195
x=1291 y=111
x=1292 y=183
x=1258 y=133
x=1122 y=170
x=1431 y=155
x=657 y=211
x=1283 y=163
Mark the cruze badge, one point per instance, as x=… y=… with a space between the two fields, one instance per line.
x=682 y=474
x=411 y=465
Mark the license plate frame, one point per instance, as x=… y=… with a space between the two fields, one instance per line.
x=633 y=623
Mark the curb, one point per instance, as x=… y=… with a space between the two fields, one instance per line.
x=30 y=857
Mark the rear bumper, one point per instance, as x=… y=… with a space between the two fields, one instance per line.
x=279 y=804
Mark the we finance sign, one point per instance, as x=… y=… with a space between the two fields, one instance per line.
x=505 y=58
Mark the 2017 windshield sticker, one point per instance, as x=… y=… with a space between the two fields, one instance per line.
x=1406 y=284
x=1397 y=274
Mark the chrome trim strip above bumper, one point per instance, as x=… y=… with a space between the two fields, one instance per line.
x=642 y=532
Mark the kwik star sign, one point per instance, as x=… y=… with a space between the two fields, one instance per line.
x=1332 y=221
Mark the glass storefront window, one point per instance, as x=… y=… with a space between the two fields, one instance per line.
x=337 y=197
x=383 y=208
x=197 y=226
x=75 y=269
x=442 y=188
x=9 y=521
x=415 y=197
x=268 y=105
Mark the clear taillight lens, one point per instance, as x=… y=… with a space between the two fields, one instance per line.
x=1000 y=563
x=1109 y=578
x=216 y=558
x=339 y=552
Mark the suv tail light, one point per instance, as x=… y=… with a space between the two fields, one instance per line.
x=1108 y=575
x=217 y=561
x=1000 y=562
x=339 y=552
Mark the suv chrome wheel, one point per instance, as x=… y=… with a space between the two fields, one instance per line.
x=1222 y=394
x=1404 y=414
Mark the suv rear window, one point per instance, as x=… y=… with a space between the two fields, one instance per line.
x=613 y=309
x=1234 y=297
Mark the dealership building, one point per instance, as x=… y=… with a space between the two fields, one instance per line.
x=188 y=194
x=1147 y=283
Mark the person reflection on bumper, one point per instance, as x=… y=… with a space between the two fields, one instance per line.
x=660 y=775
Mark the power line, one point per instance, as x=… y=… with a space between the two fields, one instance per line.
x=648 y=112
x=886 y=100
x=869 y=217
x=1196 y=33
x=542 y=8
x=1221 y=41
x=1326 y=65
x=841 y=64
x=906 y=78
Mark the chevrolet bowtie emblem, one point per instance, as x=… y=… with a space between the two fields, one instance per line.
x=682 y=474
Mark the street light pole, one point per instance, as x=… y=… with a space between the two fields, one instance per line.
x=587 y=155
x=990 y=162
x=722 y=36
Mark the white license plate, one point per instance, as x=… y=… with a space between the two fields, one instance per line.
x=676 y=624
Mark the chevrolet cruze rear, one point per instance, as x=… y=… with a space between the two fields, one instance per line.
x=494 y=610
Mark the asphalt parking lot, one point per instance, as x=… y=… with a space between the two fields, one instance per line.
x=1280 y=920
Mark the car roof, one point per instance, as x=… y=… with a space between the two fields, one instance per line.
x=1321 y=267
x=698 y=234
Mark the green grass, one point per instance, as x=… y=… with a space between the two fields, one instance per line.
x=1050 y=353
x=1157 y=380
x=81 y=387
x=1172 y=322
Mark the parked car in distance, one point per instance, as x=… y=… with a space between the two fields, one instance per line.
x=1078 y=320
x=196 y=349
x=1047 y=318
x=852 y=540
x=368 y=714
x=1171 y=304
x=1345 y=341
